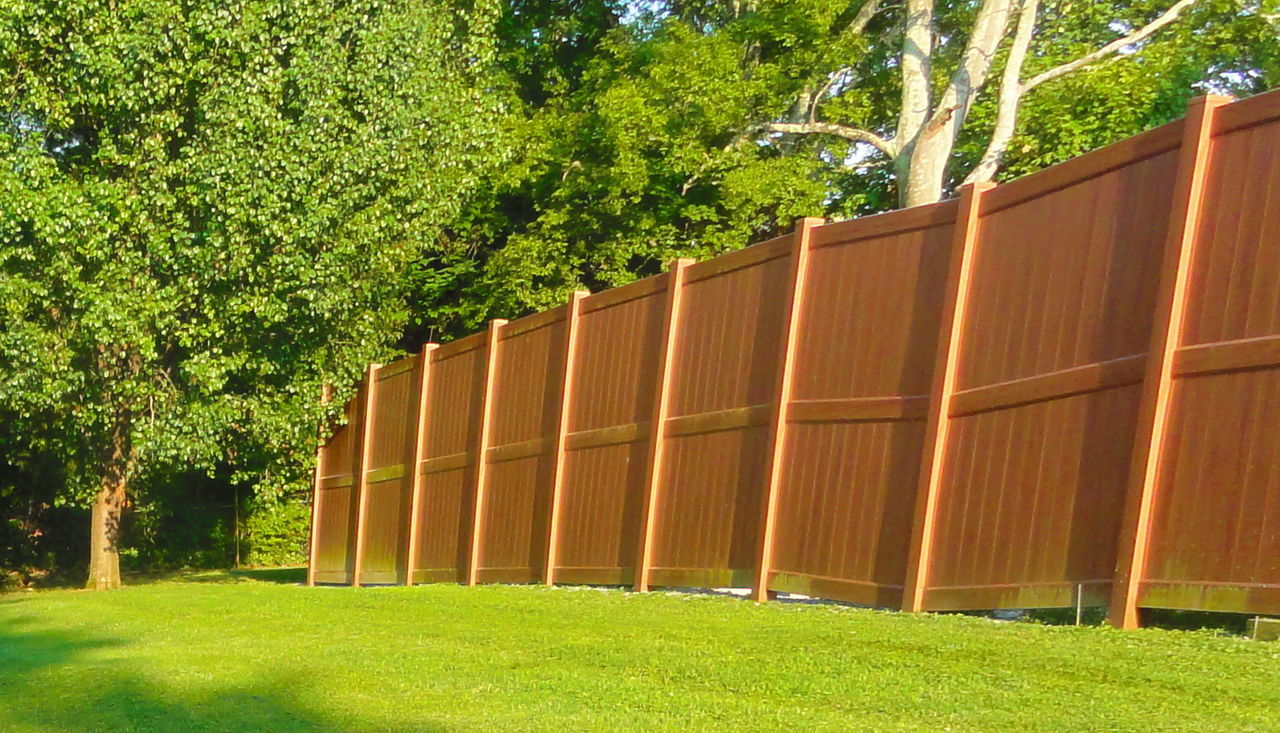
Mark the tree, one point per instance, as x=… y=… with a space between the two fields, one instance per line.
x=688 y=128
x=931 y=113
x=627 y=152
x=207 y=211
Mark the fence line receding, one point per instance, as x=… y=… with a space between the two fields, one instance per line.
x=1064 y=389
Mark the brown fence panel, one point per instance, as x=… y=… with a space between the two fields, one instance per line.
x=1215 y=530
x=613 y=387
x=708 y=506
x=868 y=326
x=336 y=500
x=388 y=480
x=1049 y=368
x=448 y=465
x=1060 y=387
x=526 y=395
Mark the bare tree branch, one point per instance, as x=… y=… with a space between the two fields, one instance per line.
x=1163 y=20
x=1012 y=89
x=828 y=128
x=864 y=16
x=988 y=31
x=1010 y=95
x=817 y=97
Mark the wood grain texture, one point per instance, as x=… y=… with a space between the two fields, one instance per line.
x=779 y=409
x=1065 y=384
x=1214 y=518
x=1167 y=333
x=655 y=463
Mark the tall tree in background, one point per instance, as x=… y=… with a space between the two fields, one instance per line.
x=206 y=212
x=945 y=57
x=687 y=128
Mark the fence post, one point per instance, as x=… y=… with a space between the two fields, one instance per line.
x=562 y=429
x=951 y=333
x=657 y=433
x=325 y=393
x=415 y=462
x=362 y=482
x=482 y=447
x=1166 y=335
x=801 y=242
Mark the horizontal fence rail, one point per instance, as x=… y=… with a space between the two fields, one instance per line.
x=1057 y=391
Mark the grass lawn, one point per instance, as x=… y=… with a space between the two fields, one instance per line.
x=237 y=652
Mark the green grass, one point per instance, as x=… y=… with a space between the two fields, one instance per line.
x=240 y=652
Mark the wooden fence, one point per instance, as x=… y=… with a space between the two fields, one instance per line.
x=1063 y=389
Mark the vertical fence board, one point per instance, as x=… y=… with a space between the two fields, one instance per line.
x=388 y=479
x=1213 y=527
x=1166 y=334
x=654 y=466
x=520 y=455
x=793 y=305
x=955 y=298
x=614 y=382
x=864 y=358
x=1046 y=388
x=414 y=468
x=313 y=544
x=448 y=464
x=475 y=548
x=559 y=450
x=336 y=513
x=361 y=472
x=707 y=514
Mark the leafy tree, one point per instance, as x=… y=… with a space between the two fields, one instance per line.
x=206 y=212
x=944 y=55
x=625 y=153
x=687 y=128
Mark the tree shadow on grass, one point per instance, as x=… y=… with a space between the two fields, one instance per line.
x=282 y=576
x=73 y=681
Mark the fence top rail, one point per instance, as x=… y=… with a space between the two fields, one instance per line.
x=397 y=367
x=740 y=259
x=1250 y=112
x=887 y=224
x=533 y=322
x=458 y=347
x=624 y=293
x=1131 y=150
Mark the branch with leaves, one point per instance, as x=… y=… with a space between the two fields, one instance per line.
x=928 y=125
x=1013 y=89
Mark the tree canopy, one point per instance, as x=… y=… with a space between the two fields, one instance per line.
x=206 y=211
x=646 y=131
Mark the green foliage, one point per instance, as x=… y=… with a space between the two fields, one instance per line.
x=635 y=137
x=207 y=210
x=181 y=519
x=276 y=533
x=628 y=154
x=1218 y=47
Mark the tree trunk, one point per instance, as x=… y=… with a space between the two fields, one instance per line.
x=108 y=508
x=104 y=535
x=921 y=173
